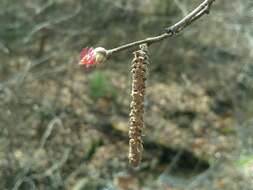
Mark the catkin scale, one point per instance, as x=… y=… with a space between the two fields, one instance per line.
x=139 y=68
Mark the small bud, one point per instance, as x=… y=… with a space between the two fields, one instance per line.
x=100 y=55
x=90 y=56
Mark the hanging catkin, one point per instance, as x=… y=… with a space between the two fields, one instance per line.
x=139 y=68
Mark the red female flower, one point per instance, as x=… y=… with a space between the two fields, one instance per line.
x=90 y=56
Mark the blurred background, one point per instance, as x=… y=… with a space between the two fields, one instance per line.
x=65 y=127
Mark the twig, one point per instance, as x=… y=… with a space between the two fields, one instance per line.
x=56 y=166
x=4 y=48
x=49 y=130
x=48 y=24
x=198 y=12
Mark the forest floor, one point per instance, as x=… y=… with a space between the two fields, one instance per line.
x=69 y=129
x=63 y=126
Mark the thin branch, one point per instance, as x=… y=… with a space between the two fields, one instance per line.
x=49 y=130
x=147 y=41
x=50 y=23
x=188 y=19
x=4 y=48
x=197 y=13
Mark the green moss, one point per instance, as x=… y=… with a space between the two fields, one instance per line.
x=244 y=161
x=228 y=130
x=100 y=86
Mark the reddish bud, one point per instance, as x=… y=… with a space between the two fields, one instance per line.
x=90 y=56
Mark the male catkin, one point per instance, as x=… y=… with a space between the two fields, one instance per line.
x=139 y=68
